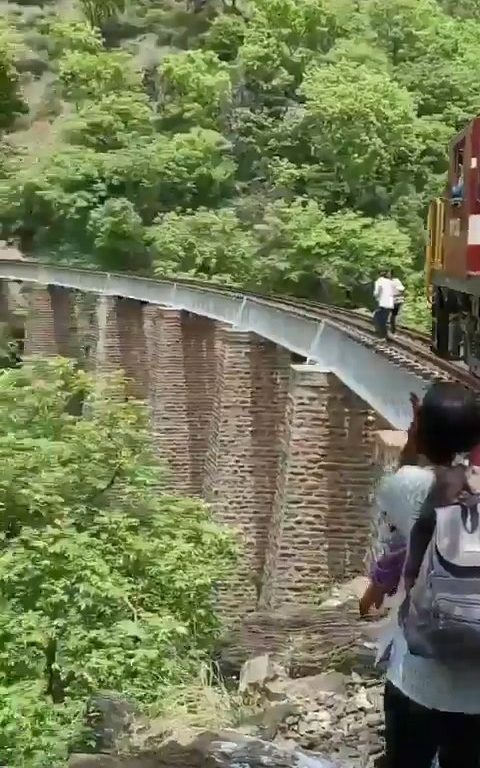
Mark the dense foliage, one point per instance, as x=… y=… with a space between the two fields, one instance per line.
x=106 y=582
x=269 y=143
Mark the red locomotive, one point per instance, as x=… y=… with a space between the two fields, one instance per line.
x=453 y=254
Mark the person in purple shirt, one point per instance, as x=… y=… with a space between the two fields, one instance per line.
x=387 y=570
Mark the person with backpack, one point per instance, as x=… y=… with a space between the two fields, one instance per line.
x=432 y=691
x=388 y=568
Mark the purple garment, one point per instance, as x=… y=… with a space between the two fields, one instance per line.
x=387 y=570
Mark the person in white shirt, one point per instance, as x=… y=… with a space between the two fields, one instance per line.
x=384 y=294
x=398 y=299
x=430 y=706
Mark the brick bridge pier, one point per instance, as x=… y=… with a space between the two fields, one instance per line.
x=281 y=449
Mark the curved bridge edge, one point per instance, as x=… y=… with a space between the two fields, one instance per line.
x=380 y=383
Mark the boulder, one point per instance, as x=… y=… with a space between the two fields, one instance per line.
x=308 y=688
x=258 y=671
x=228 y=749
x=109 y=761
x=93 y=761
x=109 y=720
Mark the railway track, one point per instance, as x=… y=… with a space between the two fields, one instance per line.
x=408 y=349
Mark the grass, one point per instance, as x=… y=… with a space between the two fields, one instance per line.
x=203 y=703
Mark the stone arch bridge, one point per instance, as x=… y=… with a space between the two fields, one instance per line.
x=277 y=417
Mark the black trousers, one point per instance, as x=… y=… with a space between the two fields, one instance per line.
x=380 y=318
x=414 y=735
x=393 y=317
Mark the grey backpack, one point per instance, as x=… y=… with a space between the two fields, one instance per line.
x=441 y=615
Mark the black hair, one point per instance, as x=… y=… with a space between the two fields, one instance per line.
x=448 y=422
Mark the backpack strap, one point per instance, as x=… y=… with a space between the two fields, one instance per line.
x=449 y=484
x=420 y=537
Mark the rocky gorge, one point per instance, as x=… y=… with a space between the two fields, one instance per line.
x=331 y=718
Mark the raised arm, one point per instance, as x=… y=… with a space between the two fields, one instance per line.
x=410 y=452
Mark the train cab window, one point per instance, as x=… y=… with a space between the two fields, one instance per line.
x=458 y=186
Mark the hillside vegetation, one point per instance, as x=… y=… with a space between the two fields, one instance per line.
x=273 y=144
x=107 y=583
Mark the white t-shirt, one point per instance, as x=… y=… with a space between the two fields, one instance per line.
x=384 y=292
x=426 y=681
x=398 y=290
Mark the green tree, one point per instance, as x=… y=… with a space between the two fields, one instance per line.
x=464 y=9
x=309 y=24
x=62 y=198
x=12 y=103
x=225 y=36
x=34 y=733
x=110 y=122
x=403 y=28
x=67 y=36
x=292 y=248
x=196 y=90
x=205 y=244
x=445 y=79
x=360 y=126
x=85 y=76
x=300 y=246
x=107 y=582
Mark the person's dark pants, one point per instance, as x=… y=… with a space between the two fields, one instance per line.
x=380 y=318
x=414 y=735
x=393 y=317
